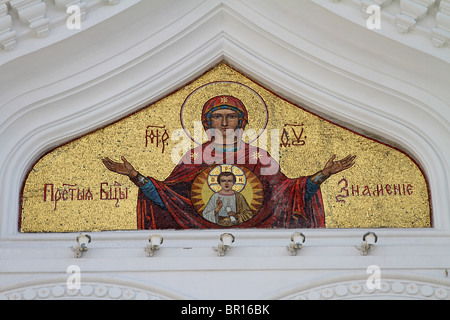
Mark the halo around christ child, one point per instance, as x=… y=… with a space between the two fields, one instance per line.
x=214 y=184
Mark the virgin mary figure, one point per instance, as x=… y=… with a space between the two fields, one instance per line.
x=287 y=203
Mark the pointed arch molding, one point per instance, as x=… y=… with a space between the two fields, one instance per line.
x=94 y=78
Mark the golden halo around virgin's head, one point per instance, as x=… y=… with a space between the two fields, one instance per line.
x=191 y=111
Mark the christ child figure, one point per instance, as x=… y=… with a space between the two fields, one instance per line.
x=227 y=207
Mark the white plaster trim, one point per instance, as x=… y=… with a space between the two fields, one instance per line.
x=91 y=288
x=392 y=287
x=346 y=287
x=23 y=39
x=422 y=25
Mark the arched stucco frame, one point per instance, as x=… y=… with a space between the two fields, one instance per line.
x=78 y=101
x=91 y=288
x=300 y=58
x=391 y=286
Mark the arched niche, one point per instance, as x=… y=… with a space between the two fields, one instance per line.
x=73 y=96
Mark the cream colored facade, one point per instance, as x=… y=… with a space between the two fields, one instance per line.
x=391 y=83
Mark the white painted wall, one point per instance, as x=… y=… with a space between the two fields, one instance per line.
x=302 y=50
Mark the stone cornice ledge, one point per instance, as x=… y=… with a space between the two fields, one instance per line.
x=427 y=22
x=30 y=25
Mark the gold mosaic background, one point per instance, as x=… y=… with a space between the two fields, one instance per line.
x=70 y=190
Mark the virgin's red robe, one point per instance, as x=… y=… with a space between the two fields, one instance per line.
x=284 y=199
